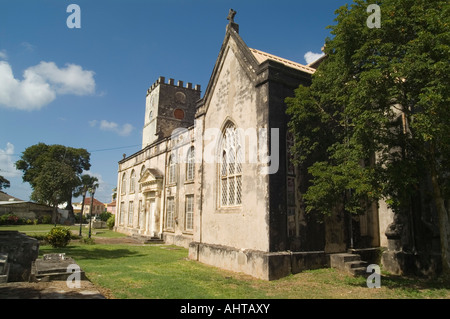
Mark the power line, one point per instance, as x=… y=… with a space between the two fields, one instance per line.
x=114 y=148
x=99 y=150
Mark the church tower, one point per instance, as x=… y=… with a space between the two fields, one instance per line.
x=167 y=107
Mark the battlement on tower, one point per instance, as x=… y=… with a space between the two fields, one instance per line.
x=162 y=80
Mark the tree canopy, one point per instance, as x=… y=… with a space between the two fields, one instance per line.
x=53 y=171
x=376 y=119
x=87 y=183
x=4 y=183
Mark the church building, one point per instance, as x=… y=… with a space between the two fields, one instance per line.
x=214 y=173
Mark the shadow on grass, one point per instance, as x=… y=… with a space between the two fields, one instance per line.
x=391 y=281
x=93 y=253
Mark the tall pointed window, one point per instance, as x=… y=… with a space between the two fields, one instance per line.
x=132 y=181
x=230 y=169
x=124 y=184
x=172 y=170
x=190 y=164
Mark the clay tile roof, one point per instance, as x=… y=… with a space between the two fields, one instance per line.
x=87 y=201
x=263 y=56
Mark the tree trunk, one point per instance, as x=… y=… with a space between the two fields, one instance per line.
x=444 y=227
x=69 y=207
x=54 y=214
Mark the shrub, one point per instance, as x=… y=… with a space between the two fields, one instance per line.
x=59 y=236
x=88 y=241
x=83 y=218
x=47 y=219
x=105 y=216
x=110 y=222
x=11 y=219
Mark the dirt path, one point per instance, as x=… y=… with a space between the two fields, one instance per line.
x=49 y=290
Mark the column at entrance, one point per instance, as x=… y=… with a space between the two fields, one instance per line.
x=151 y=185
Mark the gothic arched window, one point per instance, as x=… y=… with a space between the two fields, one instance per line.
x=132 y=181
x=230 y=170
x=190 y=164
x=172 y=170
x=124 y=184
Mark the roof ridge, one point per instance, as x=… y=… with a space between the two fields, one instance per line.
x=283 y=60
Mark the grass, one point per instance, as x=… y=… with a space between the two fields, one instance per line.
x=42 y=229
x=154 y=271
x=165 y=272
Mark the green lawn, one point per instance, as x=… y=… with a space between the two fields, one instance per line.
x=161 y=271
x=42 y=229
x=155 y=271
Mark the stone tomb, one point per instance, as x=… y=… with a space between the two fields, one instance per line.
x=54 y=267
x=19 y=252
x=4 y=268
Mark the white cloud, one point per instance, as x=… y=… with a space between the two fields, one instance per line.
x=3 y=55
x=311 y=56
x=7 y=167
x=104 y=125
x=42 y=83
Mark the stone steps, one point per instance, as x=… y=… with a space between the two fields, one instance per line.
x=147 y=239
x=350 y=263
x=21 y=250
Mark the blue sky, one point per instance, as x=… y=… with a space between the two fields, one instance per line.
x=85 y=87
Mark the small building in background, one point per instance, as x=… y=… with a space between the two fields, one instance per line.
x=97 y=208
x=23 y=209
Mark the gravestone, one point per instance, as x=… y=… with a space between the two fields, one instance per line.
x=4 y=268
x=54 y=267
x=21 y=251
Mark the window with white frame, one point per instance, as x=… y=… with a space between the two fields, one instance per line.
x=230 y=170
x=172 y=170
x=190 y=164
x=189 y=214
x=170 y=212
x=130 y=213
x=132 y=181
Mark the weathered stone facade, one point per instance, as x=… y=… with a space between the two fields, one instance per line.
x=233 y=198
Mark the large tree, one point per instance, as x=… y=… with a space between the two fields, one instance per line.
x=34 y=163
x=87 y=183
x=376 y=119
x=4 y=183
x=53 y=184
